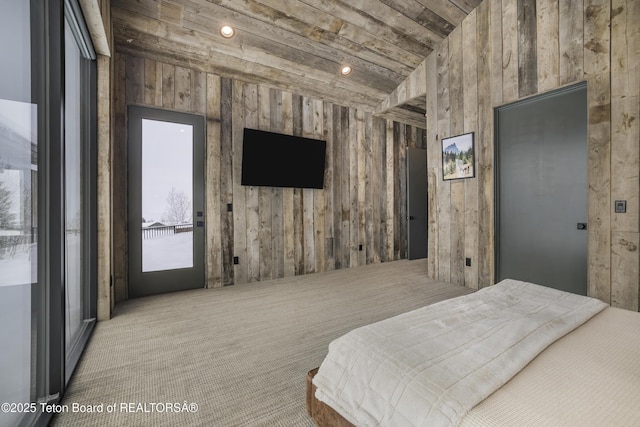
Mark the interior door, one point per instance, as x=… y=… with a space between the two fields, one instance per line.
x=417 y=202
x=542 y=190
x=166 y=201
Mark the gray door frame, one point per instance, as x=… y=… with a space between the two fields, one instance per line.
x=539 y=244
x=154 y=282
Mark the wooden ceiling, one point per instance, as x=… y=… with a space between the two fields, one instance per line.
x=295 y=45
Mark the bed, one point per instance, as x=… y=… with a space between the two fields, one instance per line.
x=514 y=353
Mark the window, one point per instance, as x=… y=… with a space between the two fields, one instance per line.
x=20 y=291
x=79 y=184
x=47 y=202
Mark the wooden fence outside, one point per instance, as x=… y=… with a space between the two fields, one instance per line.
x=166 y=230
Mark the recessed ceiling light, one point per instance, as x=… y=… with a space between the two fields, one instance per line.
x=227 y=31
x=345 y=70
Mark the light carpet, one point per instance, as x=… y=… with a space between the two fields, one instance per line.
x=234 y=356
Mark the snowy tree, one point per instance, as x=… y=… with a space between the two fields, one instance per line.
x=7 y=218
x=178 y=207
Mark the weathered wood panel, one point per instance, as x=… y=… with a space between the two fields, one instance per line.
x=470 y=96
x=400 y=203
x=228 y=94
x=444 y=187
x=571 y=40
x=251 y=193
x=287 y=196
x=625 y=270
x=315 y=130
x=625 y=57
x=297 y=194
x=213 y=211
x=596 y=67
x=338 y=142
x=134 y=87
x=509 y=46
x=245 y=199
x=105 y=295
x=345 y=186
x=625 y=113
x=168 y=86
x=362 y=186
x=308 y=195
x=265 y=194
x=412 y=87
x=625 y=161
x=625 y=155
x=354 y=229
x=547 y=45
x=434 y=165
x=152 y=83
x=182 y=89
x=135 y=80
x=381 y=185
x=198 y=92
x=527 y=53
x=456 y=127
x=327 y=135
x=494 y=10
x=368 y=194
x=486 y=169
x=277 y=203
x=119 y=183
x=376 y=192
x=170 y=12
x=390 y=187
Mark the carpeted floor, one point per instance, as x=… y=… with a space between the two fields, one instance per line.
x=234 y=356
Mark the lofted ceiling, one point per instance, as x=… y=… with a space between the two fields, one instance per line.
x=295 y=45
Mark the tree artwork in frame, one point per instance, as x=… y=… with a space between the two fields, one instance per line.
x=458 y=157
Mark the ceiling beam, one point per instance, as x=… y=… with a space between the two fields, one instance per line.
x=413 y=87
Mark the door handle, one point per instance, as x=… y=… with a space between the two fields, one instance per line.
x=582 y=226
x=412 y=217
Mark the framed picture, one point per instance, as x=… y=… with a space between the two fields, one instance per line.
x=458 y=157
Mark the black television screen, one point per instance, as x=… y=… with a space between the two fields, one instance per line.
x=277 y=160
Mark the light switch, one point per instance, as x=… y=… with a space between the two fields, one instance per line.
x=621 y=206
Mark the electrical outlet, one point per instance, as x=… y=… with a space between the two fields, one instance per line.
x=467 y=262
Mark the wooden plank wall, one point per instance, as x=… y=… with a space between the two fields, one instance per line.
x=359 y=218
x=104 y=65
x=507 y=50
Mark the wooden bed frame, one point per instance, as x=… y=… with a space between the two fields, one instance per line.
x=322 y=414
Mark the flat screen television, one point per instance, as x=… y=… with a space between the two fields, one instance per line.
x=277 y=160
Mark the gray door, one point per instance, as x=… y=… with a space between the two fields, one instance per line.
x=166 y=201
x=542 y=190
x=417 y=202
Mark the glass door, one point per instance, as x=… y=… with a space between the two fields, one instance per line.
x=20 y=292
x=166 y=201
x=47 y=200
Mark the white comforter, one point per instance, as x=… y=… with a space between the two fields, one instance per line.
x=430 y=366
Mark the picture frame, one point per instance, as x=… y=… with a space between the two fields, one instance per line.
x=458 y=157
